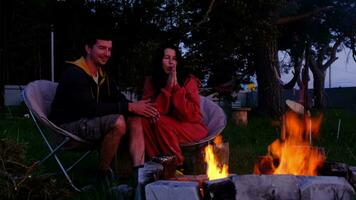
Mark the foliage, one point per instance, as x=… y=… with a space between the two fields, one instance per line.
x=225 y=41
x=17 y=180
x=27 y=41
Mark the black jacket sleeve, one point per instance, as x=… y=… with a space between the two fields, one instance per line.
x=76 y=98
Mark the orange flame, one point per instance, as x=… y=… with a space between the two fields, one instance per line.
x=215 y=168
x=294 y=152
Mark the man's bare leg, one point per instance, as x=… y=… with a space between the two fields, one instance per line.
x=136 y=143
x=110 y=143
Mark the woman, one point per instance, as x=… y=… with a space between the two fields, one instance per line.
x=177 y=99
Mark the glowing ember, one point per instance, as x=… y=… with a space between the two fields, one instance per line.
x=215 y=166
x=293 y=153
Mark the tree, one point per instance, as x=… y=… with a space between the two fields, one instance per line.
x=253 y=32
x=322 y=37
x=5 y=18
x=27 y=51
x=22 y=42
x=240 y=37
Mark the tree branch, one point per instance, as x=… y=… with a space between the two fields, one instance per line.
x=332 y=54
x=313 y=66
x=290 y=19
x=320 y=54
x=295 y=78
x=205 y=18
x=353 y=48
x=296 y=59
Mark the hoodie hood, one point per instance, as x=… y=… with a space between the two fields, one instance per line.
x=83 y=65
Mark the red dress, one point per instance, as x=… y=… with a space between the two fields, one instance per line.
x=180 y=118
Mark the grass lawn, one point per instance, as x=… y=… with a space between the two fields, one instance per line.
x=246 y=143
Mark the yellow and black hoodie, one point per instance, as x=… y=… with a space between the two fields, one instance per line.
x=79 y=96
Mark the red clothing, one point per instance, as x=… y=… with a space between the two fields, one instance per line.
x=180 y=118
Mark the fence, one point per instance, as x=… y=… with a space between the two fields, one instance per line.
x=344 y=98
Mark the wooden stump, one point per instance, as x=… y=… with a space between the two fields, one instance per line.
x=194 y=163
x=240 y=115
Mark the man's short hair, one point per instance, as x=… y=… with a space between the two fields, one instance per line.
x=98 y=34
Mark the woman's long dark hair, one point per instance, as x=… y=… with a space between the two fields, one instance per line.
x=159 y=77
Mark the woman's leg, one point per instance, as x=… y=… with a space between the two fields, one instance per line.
x=136 y=141
x=151 y=145
x=170 y=133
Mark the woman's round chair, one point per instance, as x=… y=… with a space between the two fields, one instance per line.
x=215 y=119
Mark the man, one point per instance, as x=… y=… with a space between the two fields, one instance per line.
x=87 y=103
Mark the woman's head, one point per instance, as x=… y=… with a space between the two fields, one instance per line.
x=166 y=57
x=169 y=60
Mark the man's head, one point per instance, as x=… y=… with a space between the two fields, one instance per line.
x=100 y=52
x=98 y=48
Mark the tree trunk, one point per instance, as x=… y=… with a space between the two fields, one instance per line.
x=319 y=89
x=319 y=69
x=3 y=32
x=269 y=87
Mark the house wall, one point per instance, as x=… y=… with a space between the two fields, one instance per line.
x=12 y=95
x=344 y=98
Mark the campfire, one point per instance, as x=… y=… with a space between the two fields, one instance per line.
x=292 y=169
x=216 y=159
x=294 y=153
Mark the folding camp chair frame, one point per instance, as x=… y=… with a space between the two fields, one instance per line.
x=42 y=123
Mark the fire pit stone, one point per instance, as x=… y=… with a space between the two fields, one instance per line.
x=325 y=187
x=256 y=187
x=261 y=187
x=172 y=190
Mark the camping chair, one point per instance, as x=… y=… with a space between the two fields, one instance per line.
x=215 y=119
x=38 y=96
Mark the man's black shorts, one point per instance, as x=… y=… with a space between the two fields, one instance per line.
x=93 y=129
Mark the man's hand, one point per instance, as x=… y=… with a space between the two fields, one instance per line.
x=144 y=108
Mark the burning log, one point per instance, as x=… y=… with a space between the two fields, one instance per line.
x=217 y=159
x=265 y=165
x=336 y=169
x=219 y=189
x=200 y=179
x=293 y=152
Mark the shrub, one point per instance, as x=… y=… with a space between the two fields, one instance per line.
x=18 y=180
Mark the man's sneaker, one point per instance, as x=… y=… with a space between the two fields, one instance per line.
x=135 y=175
x=104 y=177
